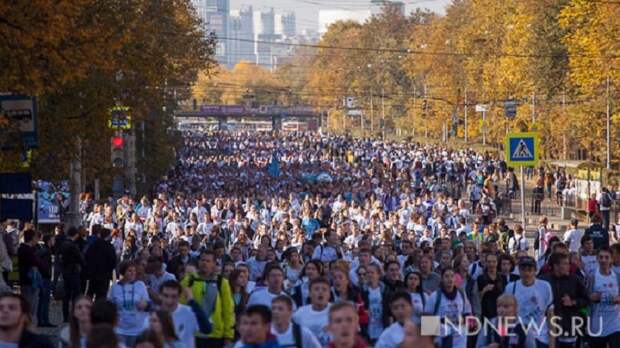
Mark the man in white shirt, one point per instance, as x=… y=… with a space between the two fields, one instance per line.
x=535 y=299
x=185 y=317
x=329 y=251
x=289 y=334
x=275 y=287
x=315 y=316
x=572 y=237
x=402 y=310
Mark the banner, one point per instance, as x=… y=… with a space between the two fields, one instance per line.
x=52 y=201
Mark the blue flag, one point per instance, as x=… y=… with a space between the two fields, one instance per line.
x=274 y=166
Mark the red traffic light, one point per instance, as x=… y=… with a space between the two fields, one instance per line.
x=117 y=142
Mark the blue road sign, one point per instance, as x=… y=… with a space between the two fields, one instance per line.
x=522 y=149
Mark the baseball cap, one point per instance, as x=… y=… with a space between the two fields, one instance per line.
x=527 y=261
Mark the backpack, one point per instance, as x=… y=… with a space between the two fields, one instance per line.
x=440 y=295
x=605 y=200
x=517 y=246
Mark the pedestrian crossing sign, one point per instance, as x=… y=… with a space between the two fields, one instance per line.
x=522 y=149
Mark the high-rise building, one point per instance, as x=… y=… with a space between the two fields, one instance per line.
x=242 y=36
x=286 y=25
x=216 y=17
x=265 y=33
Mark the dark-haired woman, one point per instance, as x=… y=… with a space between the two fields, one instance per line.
x=293 y=267
x=238 y=283
x=301 y=293
x=451 y=304
x=413 y=281
x=74 y=335
x=160 y=322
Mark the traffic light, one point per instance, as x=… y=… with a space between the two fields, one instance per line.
x=118 y=151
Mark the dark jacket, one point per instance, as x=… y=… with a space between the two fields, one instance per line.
x=45 y=256
x=71 y=257
x=600 y=236
x=572 y=286
x=32 y=340
x=101 y=258
x=27 y=260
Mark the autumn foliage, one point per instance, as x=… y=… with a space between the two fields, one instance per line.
x=422 y=71
x=81 y=57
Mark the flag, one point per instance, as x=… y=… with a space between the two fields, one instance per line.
x=274 y=166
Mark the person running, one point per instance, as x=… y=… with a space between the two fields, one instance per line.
x=503 y=331
x=490 y=286
x=274 y=277
x=402 y=310
x=314 y=316
x=189 y=319
x=604 y=289
x=450 y=303
x=570 y=297
x=343 y=327
x=74 y=335
x=255 y=328
x=14 y=321
x=161 y=325
x=289 y=333
x=413 y=282
x=535 y=299
x=214 y=296
x=132 y=299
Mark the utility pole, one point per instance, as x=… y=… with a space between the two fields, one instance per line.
x=72 y=218
x=466 y=132
x=382 y=114
x=564 y=145
x=372 y=116
x=484 y=122
x=362 y=122
x=413 y=113
x=608 y=126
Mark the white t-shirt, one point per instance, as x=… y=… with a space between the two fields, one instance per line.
x=453 y=310
x=185 y=325
x=315 y=321
x=287 y=339
x=391 y=337
x=375 y=324
x=604 y=315
x=572 y=237
x=534 y=301
x=418 y=305
x=263 y=297
x=590 y=264
x=126 y=297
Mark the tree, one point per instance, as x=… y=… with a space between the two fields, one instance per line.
x=83 y=57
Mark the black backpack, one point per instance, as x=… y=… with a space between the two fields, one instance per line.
x=605 y=200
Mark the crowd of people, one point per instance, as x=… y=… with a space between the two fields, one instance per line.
x=310 y=240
